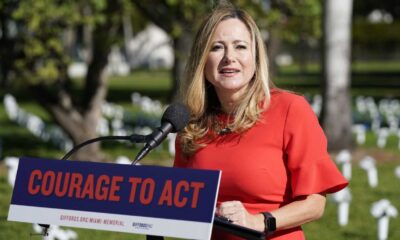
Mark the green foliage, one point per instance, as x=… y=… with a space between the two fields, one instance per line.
x=302 y=20
x=42 y=55
x=42 y=23
x=367 y=35
x=291 y=19
x=177 y=15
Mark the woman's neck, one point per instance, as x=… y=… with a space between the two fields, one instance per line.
x=228 y=107
x=229 y=100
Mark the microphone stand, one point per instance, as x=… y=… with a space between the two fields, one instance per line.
x=134 y=138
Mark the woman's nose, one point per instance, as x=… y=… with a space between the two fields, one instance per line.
x=229 y=56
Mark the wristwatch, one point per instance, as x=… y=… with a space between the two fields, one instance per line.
x=270 y=222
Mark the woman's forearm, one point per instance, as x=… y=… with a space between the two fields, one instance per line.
x=294 y=214
x=300 y=212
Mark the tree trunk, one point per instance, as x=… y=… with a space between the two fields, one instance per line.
x=302 y=56
x=128 y=35
x=7 y=51
x=77 y=125
x=274 y=44
x=336 y=114
x=81 y=128
x=182 y=46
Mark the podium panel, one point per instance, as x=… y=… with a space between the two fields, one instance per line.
x=147 y=200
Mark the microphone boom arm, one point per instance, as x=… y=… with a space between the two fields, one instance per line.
x=135 y=138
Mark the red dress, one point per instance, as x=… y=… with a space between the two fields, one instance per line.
x=283 y=156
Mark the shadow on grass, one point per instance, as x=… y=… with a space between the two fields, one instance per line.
x=17 y=141
x=124 y=95
x=113 y=94
x=354 y=235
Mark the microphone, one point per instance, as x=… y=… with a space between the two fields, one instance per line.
x=174 y=119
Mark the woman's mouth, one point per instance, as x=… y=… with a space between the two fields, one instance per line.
x=228 y=71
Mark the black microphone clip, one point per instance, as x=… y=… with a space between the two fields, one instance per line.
x=153 y=140
x=174 y=119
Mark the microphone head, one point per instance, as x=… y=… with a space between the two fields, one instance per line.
x=178 y=115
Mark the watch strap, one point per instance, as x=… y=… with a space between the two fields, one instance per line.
x=270 y=222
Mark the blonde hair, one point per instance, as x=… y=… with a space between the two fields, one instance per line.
x=199 y=95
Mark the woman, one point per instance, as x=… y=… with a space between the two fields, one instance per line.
x=267 y=142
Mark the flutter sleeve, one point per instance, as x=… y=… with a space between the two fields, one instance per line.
x=310 y=166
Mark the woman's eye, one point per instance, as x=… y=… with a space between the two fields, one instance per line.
x=216 y=47
x=241 y=47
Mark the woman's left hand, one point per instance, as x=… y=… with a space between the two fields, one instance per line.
x=237 y=213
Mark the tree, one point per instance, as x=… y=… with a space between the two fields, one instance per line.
x=177 y=18
x=336 y=115
x=294 y=21
x=7 y=39
x=42 y=58
x=180 y=18
x=41 y=53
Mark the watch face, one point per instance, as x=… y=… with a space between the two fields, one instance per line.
x=271 y=224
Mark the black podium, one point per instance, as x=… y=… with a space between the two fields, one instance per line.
x=244 y=232
x=224 y=225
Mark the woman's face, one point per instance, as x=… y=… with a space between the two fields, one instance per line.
x=230 y=64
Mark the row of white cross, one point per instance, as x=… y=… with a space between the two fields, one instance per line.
x=382 y=209
x=35 y=124
x=113 y=115
x=112 y=121
x=147 y=104
x=386 y=110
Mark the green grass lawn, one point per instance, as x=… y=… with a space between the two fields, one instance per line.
x=154 y=84
x=17 y=141
x=357 y=66
x=361 y=223
x=378 y=79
